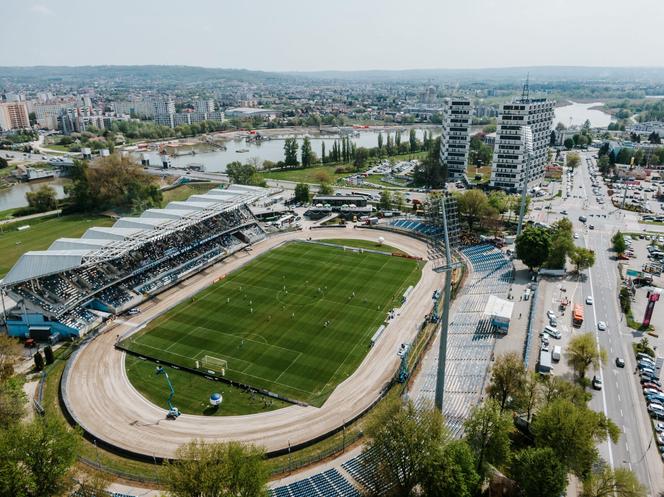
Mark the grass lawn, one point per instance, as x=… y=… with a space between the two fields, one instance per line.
x=42 y=232
x=183 y=192
x=376 y=179
x=366 y=244
x=308 y=175
x=193 y=391
x=268 y=319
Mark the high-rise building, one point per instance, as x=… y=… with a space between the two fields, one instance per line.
x=14 y=115
x=509 y=157
x=163 y=106
x=455 y=139
x=204 y=106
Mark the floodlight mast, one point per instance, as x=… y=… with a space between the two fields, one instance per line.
x=444 y=321
x=527 y=144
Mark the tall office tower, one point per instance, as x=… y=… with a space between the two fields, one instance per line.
x=455 y=140
x=509 y=157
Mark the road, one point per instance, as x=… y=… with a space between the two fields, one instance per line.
x=620 y=398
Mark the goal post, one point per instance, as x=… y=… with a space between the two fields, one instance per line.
x=215 y=364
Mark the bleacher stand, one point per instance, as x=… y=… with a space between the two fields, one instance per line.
x=327 y=484
x=132 y=263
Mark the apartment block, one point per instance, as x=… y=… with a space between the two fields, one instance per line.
x=508 y=170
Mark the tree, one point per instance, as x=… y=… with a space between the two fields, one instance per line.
x=556 y=388
x=487 y=433
x=399 y=201
x=244 y=174
x=450 y=472
x=325 y=189
x=573 y=432
x=653 y=138
x=607 y=482
x=48 y=355
x=538 y=473
x=573 y=160
x=385 y=202
x=582 y=352
x=111 y=182
x=531 y=394
x=290 y=152
x=217 y=470
x=361 y=156
x=412 y=140
x=507 y=379
x=3 y=163
x=473 y=205
x=430 y=172
x=582 y=258
x=10 y=352
x=92 y=484
x=401 y=442
x=302 y=193
x=532 y=246
x=307 y=153
x=43 y=199
x=562 y=243
x=380 y=141
x=37 y=458
x=618 y=243
x=12 y=401
x=498 y=200
x=568 y=143
x=39 y=361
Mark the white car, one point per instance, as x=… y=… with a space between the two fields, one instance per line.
x=589 y=300
x=550 y=314
x=601 y=326
x=576 y=236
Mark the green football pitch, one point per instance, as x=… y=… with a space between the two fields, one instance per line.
x=295 y=321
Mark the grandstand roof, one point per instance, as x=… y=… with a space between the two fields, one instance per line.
x=79 y=243
x=110 y=233
x=166 y=213
x=192 y=206
x=129 y=233
x=44 y=262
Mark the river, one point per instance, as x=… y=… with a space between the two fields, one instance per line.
x=576 y=114
x=273 y=150
x=13 y=197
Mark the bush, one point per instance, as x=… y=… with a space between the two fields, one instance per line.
x=48 y=354
x=643 y=347
x=625 y=300
x=39 y=361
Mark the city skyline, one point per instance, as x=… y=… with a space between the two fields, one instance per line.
x=290 y=36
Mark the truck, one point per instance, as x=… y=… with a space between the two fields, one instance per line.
x=577 y=315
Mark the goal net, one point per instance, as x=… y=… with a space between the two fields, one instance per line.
x=214 y=363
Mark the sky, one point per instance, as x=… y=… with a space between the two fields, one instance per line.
x=308 y=35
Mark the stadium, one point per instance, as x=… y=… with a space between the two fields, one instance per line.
x=288 y=316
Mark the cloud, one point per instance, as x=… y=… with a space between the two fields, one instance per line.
x=42 y=10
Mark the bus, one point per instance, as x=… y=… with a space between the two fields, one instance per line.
x=577 y=315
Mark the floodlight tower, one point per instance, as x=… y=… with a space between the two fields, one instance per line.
x=443 y=214
x=527 y=146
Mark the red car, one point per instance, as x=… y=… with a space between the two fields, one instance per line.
x=651 y=385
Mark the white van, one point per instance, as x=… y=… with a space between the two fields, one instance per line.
x=555 y=355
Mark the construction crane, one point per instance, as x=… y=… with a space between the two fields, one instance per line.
x=173 y=412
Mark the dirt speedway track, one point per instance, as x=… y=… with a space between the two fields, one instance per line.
x=100 y=398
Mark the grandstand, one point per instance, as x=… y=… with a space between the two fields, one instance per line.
x=73 y=286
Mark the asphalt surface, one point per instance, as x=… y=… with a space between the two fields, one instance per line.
x=620 y=398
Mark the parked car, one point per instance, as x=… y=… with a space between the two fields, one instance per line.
x=656 y=412
x=550 y=314
x=650 y=391
x=651 y=380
